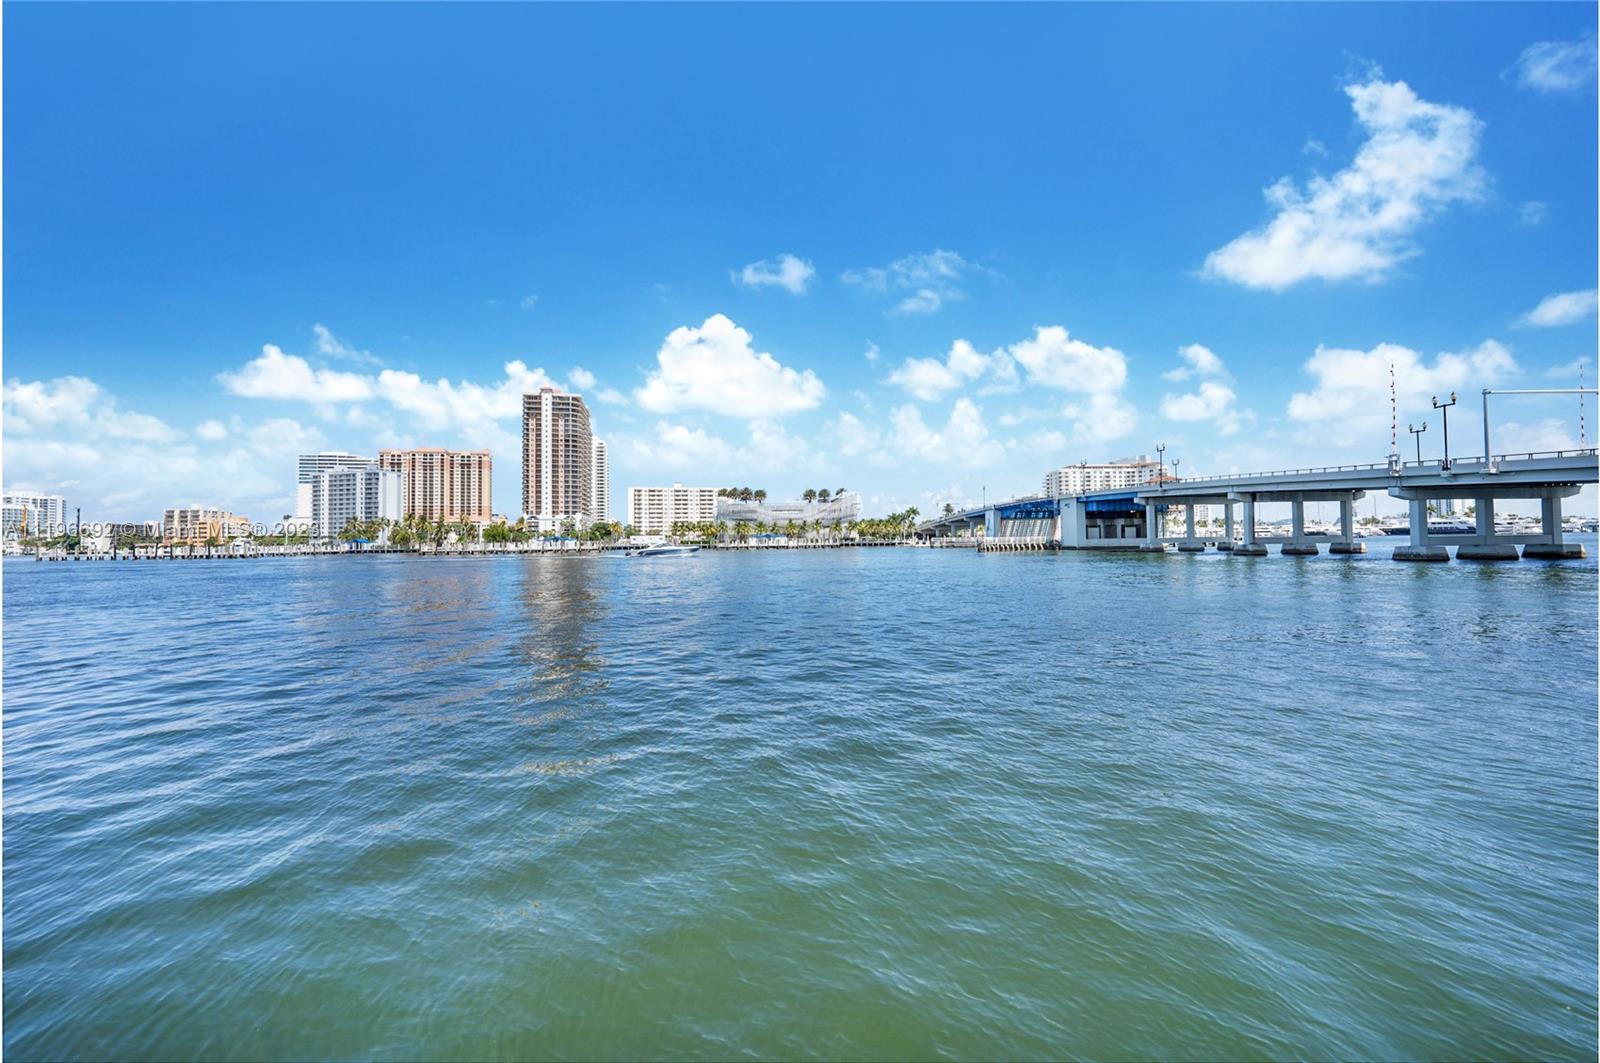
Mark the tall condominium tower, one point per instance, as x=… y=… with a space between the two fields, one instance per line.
x=443 y=484
x=310 y=466
x=557 y=458
x=600 y=482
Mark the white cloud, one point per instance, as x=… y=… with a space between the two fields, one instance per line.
x=1417 y=159
x=611 y=396
x=212 y=430
x=963 y=441
x=276 y=375
x=78 y=405
x=714 y=367
x=929 y=279
x=679 y=446
x=1053 y=359
x=1100 y=418
x=1556 y=66
x=929 y=378
x=1211 y=401
x=1200 y=361
x=853 y=436
x=528 y=302
x=1572 y=370
x=1549 y=434
x=785 y=271
x=581 y=379
x=331 y=346
x=1533 y=212
x=872 y=352
x=1563 y=309
x=1350 y=402
x=462 y=405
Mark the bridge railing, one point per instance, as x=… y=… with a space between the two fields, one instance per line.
x=1432 y=463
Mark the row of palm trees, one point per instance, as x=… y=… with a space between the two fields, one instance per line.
x=417 y=530
x=894 y=527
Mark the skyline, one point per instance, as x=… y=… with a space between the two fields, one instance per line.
x=942 y=276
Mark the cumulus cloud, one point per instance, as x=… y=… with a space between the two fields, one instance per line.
x=930 y=378
x=1563 y=309
x=276 y=375
x=462 y=404
x=785 y=271
x=1213 y=398
x=1350 y=402
x=1101 y=418
x=1556 y=66
x=853 y=437
x=581 y=379
x=1418 y=158
x=1533 y=213
x=212 y=429
x=964 y=439
x=923 y=282
x=77 y=405
x=1054 y=359
x=714 y=367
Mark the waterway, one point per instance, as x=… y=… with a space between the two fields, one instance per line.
x=860 y=803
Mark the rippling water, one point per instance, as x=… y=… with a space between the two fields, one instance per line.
x=875 y=803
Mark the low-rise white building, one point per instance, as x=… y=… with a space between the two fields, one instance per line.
x=654 y=510
x=846 y=505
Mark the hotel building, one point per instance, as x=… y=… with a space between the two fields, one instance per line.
x=354 y=492
x=1106 y=476
x=439 y=484
x=654 y=510
x=558 y=459
x=196 y=525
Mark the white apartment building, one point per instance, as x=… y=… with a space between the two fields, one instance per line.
x=1105 y=476
x=600 y=482
x=34 y=515
x=348 y=493
x=309 y=467
x=654 y=510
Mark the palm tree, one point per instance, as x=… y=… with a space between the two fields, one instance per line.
x=822 y=495
x=810 y=495
x=837 y=491
x=761 y=494
x=742 y=530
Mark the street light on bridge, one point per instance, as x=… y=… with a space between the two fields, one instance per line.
x=1161 y=462
x=1418 y=433
x=1445 y=406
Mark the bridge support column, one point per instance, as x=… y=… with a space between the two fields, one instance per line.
x=1297 y=546
x=1347 y=530
x=1486 y=549
x=1550 y=518
x=1152 y=530
x=1227 y=527
x=1249 y=547
x=1419 y=548
x=1190 y=544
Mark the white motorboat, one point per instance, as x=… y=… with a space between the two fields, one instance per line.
x=663 y=550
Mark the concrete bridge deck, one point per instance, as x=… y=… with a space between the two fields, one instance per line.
x=1132 y=518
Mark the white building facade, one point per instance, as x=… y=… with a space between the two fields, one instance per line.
x=846 y=505
x=361 y=493
x=654 y=510
x=308 y=467
x=1105 y=476
x=32 y=515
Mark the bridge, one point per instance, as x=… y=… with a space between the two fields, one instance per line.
x=1132 y=518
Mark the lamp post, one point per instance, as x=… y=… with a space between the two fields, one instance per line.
x=1161 y=462
x=1417 y=432
x=1445 y=406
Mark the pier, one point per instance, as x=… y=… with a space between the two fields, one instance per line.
x=1133 y=518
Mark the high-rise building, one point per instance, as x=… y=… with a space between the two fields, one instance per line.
x=309 y=466
x=654 y=510
x=32 y=515
x=557 y=459
x=198 y=525
x=354 y=492
x=1104 y=476
x=600 y=482
x=439 y=484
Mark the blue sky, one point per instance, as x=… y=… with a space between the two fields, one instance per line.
x=921 y=251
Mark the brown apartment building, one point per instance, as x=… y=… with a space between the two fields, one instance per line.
x=443 y=484
x=558 y=458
